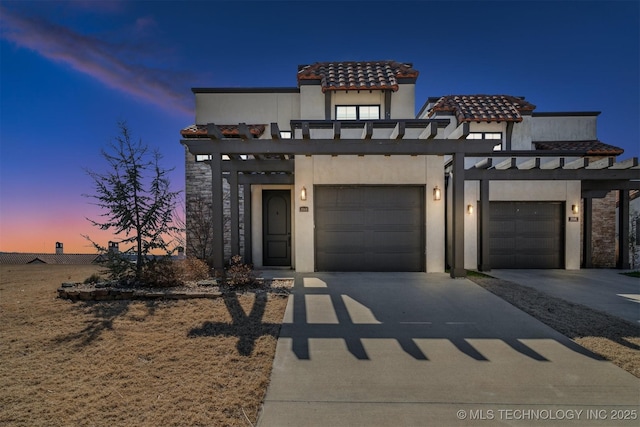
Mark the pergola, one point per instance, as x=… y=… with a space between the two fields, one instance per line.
x=248 y=159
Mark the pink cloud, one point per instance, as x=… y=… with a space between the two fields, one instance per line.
x=96 y=58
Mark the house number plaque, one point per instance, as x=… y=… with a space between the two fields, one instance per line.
x=304 y=208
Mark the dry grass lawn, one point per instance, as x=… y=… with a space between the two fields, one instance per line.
x=198 y=362
x=610 y=337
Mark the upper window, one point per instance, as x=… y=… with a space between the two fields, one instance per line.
x=488 y=135
x=357 y=112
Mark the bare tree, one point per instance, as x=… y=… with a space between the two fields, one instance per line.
x=200 y=234
x=200 y=229
x=135 y=195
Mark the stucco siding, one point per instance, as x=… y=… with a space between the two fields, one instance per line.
x=253 y=108
x=403 y=102
x=521 y=135
x=312 y=102
x=564 y=128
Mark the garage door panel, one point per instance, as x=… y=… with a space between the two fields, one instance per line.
x=338 y=196
x=399 y=217
x=404 y=241
x=340 y=217
x=340 y=262
x=526 y=235
x=369 y=228
x=392 y=262
x=341 y=241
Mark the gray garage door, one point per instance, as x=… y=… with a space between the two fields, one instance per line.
x=369 y=228
x=526 y=235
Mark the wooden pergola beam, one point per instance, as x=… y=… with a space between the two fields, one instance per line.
x=398 y=131
x=552 y=174
x=345 y=147
x=213 y=131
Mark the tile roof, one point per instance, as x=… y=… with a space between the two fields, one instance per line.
x=483 y=108
x=29 y=258
x=593 y=147
x=229 y=131
x=354 y=75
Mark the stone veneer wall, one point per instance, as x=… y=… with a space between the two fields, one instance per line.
x=198 y=185
x=604 y=231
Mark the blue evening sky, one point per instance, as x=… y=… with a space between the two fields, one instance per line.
x=70 y=70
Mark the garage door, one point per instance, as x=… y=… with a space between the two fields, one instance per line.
x=526 y=235
x=369 y=228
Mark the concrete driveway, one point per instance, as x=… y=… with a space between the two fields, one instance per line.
x=415 y=349
x=602 y=289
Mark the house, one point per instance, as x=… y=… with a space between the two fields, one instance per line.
x=59 y=257
x=340 y=174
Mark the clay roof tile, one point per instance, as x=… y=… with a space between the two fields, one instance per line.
x=355 y=75
x=483 y=108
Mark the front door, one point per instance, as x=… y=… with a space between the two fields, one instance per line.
x=276 y=227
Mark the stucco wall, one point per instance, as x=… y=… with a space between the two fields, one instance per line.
x=311 y=102
x=251 y=108
x=563 y=128
x=403 y=102
x=521 y=134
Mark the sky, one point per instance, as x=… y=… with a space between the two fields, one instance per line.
x=71 y=70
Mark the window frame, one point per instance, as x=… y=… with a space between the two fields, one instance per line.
x=358 y=114
x=483 y=136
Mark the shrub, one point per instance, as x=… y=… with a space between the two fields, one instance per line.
x=192 y=269
x=239 y=274
x=160 y=273
x=93 y=279
x=117 y=266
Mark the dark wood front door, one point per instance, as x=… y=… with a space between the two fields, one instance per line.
x=276 y=227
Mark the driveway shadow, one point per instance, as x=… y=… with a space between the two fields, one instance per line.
x=407 y=307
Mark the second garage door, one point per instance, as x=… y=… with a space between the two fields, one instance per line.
x=526 y=235
x=369 y=228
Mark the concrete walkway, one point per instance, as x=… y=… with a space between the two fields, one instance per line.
x=415 y=349
x=602 y=289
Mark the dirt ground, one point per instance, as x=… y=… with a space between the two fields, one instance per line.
x=607 y=336
x=195 y=362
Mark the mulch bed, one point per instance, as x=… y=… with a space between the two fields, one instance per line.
x=107 y=291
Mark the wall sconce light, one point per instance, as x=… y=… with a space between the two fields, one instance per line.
x=303 y=194
x=437 y=194
x=575 y=209
x=469 y=209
